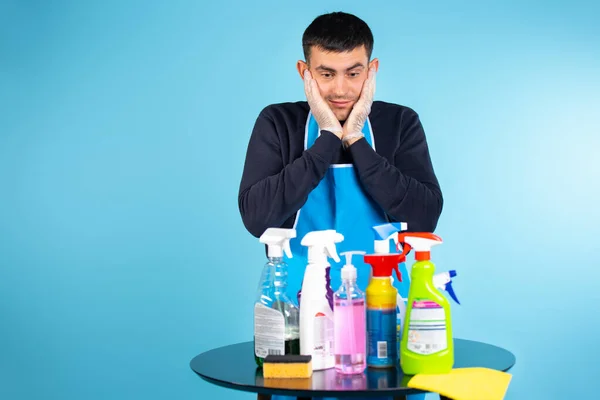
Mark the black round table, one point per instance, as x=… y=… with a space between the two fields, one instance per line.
x=234 y=367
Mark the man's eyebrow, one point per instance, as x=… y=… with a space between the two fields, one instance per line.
x=329 y=69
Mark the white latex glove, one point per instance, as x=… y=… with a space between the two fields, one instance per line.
x=360 y=112
x=319 y=107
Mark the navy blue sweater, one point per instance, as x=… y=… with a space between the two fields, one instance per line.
x=279 y=175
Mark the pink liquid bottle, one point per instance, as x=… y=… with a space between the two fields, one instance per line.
x=349 y=316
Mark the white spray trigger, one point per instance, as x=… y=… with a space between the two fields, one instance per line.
x=330 y=246
x=278 y=241
x=287 y=249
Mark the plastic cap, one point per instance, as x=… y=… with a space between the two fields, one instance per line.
x=385 y=232
x=420 y=242
x=278 y=241
x=349 y=270
x=321 y=244
x=384 y=264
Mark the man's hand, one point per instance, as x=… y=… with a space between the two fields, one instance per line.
x=319 y=107
x=360 y=112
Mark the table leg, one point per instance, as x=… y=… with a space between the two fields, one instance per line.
x=303 y=398
x=400 y=398
x=263 y=397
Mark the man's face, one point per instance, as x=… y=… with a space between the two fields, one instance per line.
x=340 y=76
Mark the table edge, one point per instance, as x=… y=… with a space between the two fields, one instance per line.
x=323 y=393
x=310 y=393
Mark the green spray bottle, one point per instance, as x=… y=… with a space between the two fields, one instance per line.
x=427 y=345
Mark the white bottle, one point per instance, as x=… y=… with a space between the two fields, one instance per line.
x=316 y=314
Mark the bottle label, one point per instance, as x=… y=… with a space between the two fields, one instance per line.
x=323 y=336
x=427 y=328
x=269 y=331
x=381 y=336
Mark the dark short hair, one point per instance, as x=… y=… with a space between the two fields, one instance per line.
x=338 y=32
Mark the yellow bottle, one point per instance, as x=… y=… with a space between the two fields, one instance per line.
x=381 y=296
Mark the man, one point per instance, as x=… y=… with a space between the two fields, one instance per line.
x=339 y=160
x=279 y=173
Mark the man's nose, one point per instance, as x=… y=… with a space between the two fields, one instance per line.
x=340 y=86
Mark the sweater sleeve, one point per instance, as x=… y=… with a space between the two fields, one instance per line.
x=408 y=190
x=271 y=192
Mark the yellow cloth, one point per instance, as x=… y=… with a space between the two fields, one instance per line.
x=465 y=383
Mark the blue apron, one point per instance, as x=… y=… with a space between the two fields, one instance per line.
x=339 y=202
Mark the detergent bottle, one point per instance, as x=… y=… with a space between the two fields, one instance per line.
x=382 y=351
x=383 y=234
x=316 y=313
x=349 y=321
x=276 y=317
x=427 y=345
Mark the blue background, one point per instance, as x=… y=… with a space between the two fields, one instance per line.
x=123 y=130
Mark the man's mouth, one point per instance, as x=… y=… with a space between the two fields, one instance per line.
x=340 y=103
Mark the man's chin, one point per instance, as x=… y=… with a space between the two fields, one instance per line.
x=342 y=116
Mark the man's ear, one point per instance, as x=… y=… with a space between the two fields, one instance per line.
x=301 y=66
x=374 y=64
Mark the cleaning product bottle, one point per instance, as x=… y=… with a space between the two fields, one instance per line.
x=276 y=316
x=316 y=313
x=349 y=322
x=427 y=345
x=381 y=310
x=383 y=234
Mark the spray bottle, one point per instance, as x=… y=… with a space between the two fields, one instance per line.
x=383 y=234
x=382 y=298
x=427 y=345
x=276 y=316
x=349 y=315
x=316 y=313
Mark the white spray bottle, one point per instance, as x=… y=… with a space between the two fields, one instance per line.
x=316 y=313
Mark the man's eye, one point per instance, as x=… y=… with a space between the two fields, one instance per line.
x=326 y=75
x=354 y=74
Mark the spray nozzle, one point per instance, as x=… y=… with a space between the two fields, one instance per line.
x=443 y=281
x=321 y=244
x=385 y=232
x=278 y=241
x=421 y=242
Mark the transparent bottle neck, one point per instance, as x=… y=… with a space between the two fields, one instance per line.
x=279 y=274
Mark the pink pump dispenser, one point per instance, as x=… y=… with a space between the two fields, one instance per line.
x=349 y=314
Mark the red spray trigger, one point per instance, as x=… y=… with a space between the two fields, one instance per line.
x=384 y=264
x=398 y=274
x=420 y=242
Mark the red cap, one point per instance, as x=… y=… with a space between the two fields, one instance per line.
x=383 y=264
x=420 y=255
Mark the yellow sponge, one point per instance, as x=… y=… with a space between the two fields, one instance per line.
x=287 y=366
x=465 y=383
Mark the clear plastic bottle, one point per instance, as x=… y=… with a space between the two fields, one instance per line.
x=349 y=313
x=276 y=316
